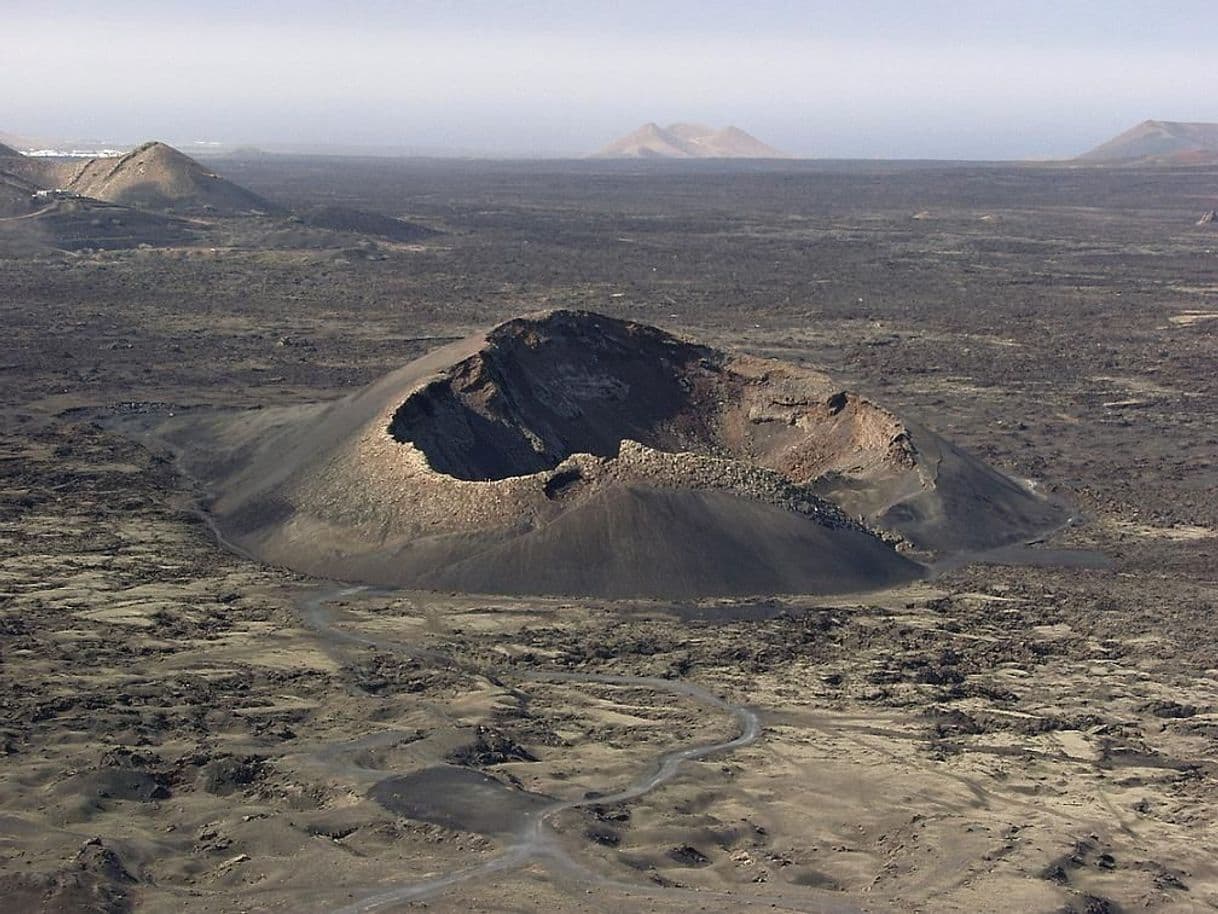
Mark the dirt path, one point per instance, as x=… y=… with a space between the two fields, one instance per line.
x=36 y=213
x=532 y=840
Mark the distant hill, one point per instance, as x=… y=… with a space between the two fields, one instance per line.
x=688 y=141
x=61 y=202
x=157 y=176
x=346 y=219
x=1166 y=142
x=50 y=203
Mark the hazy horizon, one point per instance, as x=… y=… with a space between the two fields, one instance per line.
x=880 y=80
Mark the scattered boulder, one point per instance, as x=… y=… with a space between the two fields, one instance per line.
x=490 y=747
x=230 y=773
x=96 y=858
x=70 y=891
x=688 y=855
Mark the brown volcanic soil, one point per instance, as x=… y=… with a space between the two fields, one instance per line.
x=177 y=735
x=42 y=172
x=567 y=452
x=157 y=176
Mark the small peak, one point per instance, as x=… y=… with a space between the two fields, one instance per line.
x=158 y=147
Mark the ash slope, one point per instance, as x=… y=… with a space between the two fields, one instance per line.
x=157 y=176
x=570 y=453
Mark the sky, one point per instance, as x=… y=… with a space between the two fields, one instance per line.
x=864 y=79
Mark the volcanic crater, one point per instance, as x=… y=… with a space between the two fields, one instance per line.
x=585 y=384
x=567 y=452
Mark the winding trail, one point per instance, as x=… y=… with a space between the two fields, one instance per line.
x=534 y=840
x=33 y=215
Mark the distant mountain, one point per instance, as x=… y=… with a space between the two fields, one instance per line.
x=1165 y=142
x=651 y=141
x=62 y=202
x=58 y=203
x=157 y=176
x=688 y=141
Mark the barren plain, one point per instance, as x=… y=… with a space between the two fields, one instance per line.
x=185 y=729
